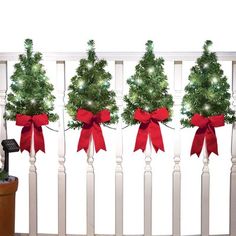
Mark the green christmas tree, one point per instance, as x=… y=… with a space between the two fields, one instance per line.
x=89 y=89
x=148 y=87
x=207 y=92
x=31 y=92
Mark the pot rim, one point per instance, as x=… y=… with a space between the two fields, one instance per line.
x=9 y=187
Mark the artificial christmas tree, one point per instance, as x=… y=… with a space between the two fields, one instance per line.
x=206 y=102
x=148 y=101
x=90 y=100
x=30 y=101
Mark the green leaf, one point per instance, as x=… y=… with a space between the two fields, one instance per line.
x=3 y=175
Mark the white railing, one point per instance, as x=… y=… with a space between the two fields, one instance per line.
x=119 y=58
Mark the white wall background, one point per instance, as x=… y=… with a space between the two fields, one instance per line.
x=121 y=26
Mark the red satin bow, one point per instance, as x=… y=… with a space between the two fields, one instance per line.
x=206 y=130
x=149 y=125
x=90 y=127
x=26 y=132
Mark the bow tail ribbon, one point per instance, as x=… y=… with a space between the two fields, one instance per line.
x=198 y=141
x=84 y=137
x=141 y=139
x=93 y=131
x=38 y=139
x=25 y=138
x=98 y=138
x=152 y=129
x=156 y=136
x=211 y=141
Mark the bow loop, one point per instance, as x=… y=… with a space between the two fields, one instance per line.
x=84 y=116
x=142 y=116
x=40 y=120
x=200 y=121
x=150 y=126
x=23 y=120
x=217 y=121
x=103 y=116
x=160 y=114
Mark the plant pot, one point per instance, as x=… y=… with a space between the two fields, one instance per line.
x=7 y=206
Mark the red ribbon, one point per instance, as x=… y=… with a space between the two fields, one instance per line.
x=29 y=122
x=90 y=127
x=150 y=125
x=206 y=130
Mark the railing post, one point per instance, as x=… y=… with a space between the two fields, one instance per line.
x=119 y=152
x=205 y=202
x=61 y=149
x=3 y=90
x=33 y=221
x=233 y=168
x=148 y=190
x=90 y=190
x=176 y=197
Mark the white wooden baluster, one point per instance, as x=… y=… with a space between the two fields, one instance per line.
x=148 y=190
x=119 y=152
x=61 y=149
x=3 y=89
x=90 y=190
x=233 y=168
x=205 y=193
x=33 y=227
x=176 y=172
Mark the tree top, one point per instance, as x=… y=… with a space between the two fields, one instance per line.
x=91 y=45
x=207 y=44
x=149 y=45
x=28 y=43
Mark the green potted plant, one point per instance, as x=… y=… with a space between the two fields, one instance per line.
x=8 y=188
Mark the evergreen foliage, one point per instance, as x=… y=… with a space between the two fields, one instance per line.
x=148 y=87
x=3 y=175
x=207 y=92
x=89 y=88
x=31 y=92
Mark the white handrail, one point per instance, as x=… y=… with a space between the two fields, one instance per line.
x=119 y=56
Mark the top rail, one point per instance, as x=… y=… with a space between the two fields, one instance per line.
x=120 y=56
